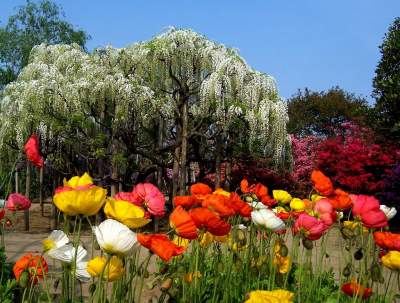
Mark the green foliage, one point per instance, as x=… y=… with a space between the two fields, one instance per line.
x=320 y=113
x=33 y=24
x=387 y=83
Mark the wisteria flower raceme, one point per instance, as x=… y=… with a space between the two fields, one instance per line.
x=268 y=219
x=150 y=197
x=125 y=212
x=55 y=240
x=17 y=202
x=79 y=196
x=390 y=212
x=112 y=271
x=115 y=238
x=161 y=245
x=70 y=255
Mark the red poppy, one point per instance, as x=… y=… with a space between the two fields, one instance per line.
x=200 y=189
x=387 y=240
x=17 y=201
x=32 y=151
x=241 y=207
x=268 y=201
x=219 y=204
x=36 y=267
x=2 y=213
x=182 y=223
x=185 y=201
x=260 y=190
x=322 y=183
x=208 y=220
x=161 y=245
x=244 y=186
x=354 y=289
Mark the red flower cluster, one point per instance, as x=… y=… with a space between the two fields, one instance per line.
x=160 y=245
x=387 y=240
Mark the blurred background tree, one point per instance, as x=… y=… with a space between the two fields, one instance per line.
x=387 y=84
x=33 y=24
x=320 y=113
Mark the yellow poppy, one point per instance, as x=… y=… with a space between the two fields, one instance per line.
x=125 y=212
x=282 y=196
x=272 y=296
x=392 y=260
x=113 y=271
x=79 y=196
x=297 y=204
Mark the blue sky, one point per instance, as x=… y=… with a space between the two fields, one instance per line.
x=301 y=43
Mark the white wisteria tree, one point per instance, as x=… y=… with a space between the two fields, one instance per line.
x=165 y=99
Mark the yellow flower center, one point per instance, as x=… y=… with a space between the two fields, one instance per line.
x=48 y=244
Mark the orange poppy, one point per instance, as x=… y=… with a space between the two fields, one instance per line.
x=200 y=189
x=185 y=201
x=354 y=289
x=219 y=204
x=340 y=200
x=182 y=223
x=161 y=245
x=387 y=240
x=244 y=186
x=261 y=190
x=268 y=201
x=36 y=266
x=241 y=207
x=208 y=220
x=322 y=183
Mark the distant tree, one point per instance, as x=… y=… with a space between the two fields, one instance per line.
x=387 y=83
x=33 y=24
x=319 y=113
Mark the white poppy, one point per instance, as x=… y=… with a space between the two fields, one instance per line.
x=257 y=205
x=55 y=240
x=390 y=212
x=267 y=219
x=67 y=254
x=115 y=238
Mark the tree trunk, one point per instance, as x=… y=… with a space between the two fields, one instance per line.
x=228 y=177
x=27 y=192
x=183 y=158
x=41 y=191
x=159 y=168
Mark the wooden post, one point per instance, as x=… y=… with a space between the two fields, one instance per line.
x=228 y=177
x=41 y=191
x=27 y=192
x=218 y=155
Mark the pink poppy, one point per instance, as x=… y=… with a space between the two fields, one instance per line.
x=17 y=202
x=32 y=151
x=2 y=213
x=366 y=208
x=311 y=227
x=151 y=198
x=325 y=211
x=128 y=197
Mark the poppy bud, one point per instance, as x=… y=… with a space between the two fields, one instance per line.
x=308 y=244
x=166 y=284
x=375 y=272
x=284 y=251
x=164 y=269
x=146 y=274
x=254 y=196
x=55 y=284
x=358 y=255
x=92 y=288
x=347 y=270
x=220 y=266
x=347 y=233
x=347 y=247
x=249 y=199
x=24 y=279
x=241 y=235
x=96 y=245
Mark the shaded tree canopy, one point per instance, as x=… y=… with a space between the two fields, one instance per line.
x=387 y=83
x=33 y=24
x=320 y=113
